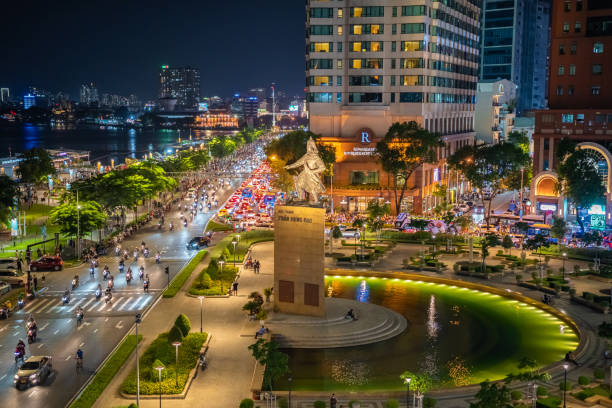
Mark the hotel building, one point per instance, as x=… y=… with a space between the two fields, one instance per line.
x=372 y=63
x=580 y=100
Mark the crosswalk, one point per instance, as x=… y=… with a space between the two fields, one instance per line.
x=123 y=301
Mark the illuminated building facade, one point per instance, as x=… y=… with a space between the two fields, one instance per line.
x=216 y=120
x=182 y=84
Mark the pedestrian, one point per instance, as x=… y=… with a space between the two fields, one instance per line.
x=35 y=284
x=333 y=401
x=19 y=266
x=235 y=288
x=43 y=279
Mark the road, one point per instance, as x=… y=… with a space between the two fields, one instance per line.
x=104 y=324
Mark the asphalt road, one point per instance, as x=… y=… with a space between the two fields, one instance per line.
x=104 y=324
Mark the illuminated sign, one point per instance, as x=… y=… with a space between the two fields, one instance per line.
x=361 y=151
x=436 y=174
x=293 y=108
x=548 y=207
x=165 y=66
x=203 y=106
x=365 y=137
x=598 y=221
x=597 y=209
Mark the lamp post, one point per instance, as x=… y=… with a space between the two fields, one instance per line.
x=407 y=381
x=138 y=320
x=565 y=367
x=234 y=242
x=176 y=345
x=78 y=225
x=289 y=379
x=564 y=256
x=159 y=370
x=201 y=301
x=221 y=262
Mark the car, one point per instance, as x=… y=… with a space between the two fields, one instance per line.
x=47 y=262
x=351 y=233
x=463 y=207
x=35 y=370
x=4 y=288
x=198 y=242
x=8 y=263
x=13 y=277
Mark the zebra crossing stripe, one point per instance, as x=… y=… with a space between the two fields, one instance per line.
x=76 y=304
x=125 y=303
x=137 y=305
x=88 y=302
x=38 y=305
x=115 y=304
x=52 y=306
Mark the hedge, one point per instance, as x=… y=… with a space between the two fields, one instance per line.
x=101 y=380
x=549 y=402
x=162 y=349
x=180 y=279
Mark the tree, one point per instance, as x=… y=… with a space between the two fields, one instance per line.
x=489 y=240
x=592 y=238
x=292 y=146
x=376 y=211
x=71 y=219
x=559 y=228
x=284 y=180
x=419 y=224
x=579 y=180
x=8 y=193
x=404 y=149
x=336 y=233
x=536 y=243
x=35 y=166
x=419 y=383
x=276 y=362
x=528 y=372
x=507 y=243
x=492 y=395
x=490 y=167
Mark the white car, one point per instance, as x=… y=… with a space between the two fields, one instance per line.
x=351 y=233
x=463 y=207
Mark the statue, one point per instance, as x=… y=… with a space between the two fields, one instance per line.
x=309 y=179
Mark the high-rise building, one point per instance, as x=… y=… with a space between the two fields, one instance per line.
x=29 y=100
x=369 y=66
x=5 y=95
x=580 y=100
x=250 y=109
x=494 y=118
x=515 y=43
x=88 y=94
x=182 y=84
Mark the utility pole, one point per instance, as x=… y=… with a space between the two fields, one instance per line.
x=273 y=108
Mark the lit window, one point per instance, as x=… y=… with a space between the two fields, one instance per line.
x=339 y=30
x=339 y=64
x=559 y=90
x=357 y=11
x=357 y=46
x=357 y=29
x=572 y=70
x=561 y=70
x=598 y=48
x=567 y=118
x=376 y=29
x=567 y=5
x=356 y=64
x=376 y=46
x=411 y=80
x=570 y=90
x=321 y=47
x=340 y=13
x=596 y=90
x=566 y=27
x=577 y=27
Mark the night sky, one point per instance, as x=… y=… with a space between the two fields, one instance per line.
x=120 y=45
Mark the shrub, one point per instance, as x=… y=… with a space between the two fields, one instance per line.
x=541 y=391
x=550 y=402
x=180 y=279
x=392 y=403
x=516 y=395
x=583 y=380
x=205 y=281
x=183 y=323
x=132 y=405
x=429 y=402
x=584 y=394
x=247 y=403
x=565 y=386
x=589 y=296
x=319 y=404
x=175 y=334
x=353 y=403
x=282 y=403
x=576 y=268
x=599 y=373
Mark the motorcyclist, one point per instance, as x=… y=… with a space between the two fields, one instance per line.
x=66 y=298
x=118 y=250
x=109 y=296
x=171 y=227
x=157 y=257
x=146 y=252
x=79 y=358
x=79 y=315
x=135 y=255
x=99 y=291
x=121 y=266
x=20 y=351
x=128 y=276
x=110 y=283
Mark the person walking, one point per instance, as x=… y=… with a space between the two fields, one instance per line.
x=35 y=284
x=333 y=401
x=235 y=288
x=19 y=266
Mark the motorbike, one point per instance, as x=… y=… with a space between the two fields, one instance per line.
x=185 y=223
x=159 y=225
x=121 y=267
x=141 y=274
x=92 y=269
x=128 y=277
x=203 y=362
x=145 y=286
x=146 y=253
x=98 y=294
x=20 y=303
x=109 y=297
x=171 y=227
x=79 y=317
x=65 y=299
x=117 y=251
x=157 y=260
x=19 y=355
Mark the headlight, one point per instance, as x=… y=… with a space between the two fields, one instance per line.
x=16 y=377
x=33 y=376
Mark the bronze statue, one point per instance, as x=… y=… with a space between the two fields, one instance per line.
x=309 y=179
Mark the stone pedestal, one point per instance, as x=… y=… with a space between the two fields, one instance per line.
x=299 y=252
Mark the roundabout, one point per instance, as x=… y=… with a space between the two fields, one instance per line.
x=457 y=332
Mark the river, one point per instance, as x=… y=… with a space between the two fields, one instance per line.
x=103 y=144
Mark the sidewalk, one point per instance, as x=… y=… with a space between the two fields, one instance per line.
x=227 y=379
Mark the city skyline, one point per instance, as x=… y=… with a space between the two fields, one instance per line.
x=146 y=36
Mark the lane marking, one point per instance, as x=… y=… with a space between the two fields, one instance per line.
x=115 y=304
x=106 y=320
x=125 y=304
x=55 y=332
x=95 y=331
x=44 y=326
x=119 y=325
x=40 y=345
x=34 y=308
x=3 y=377
x=76 y=304
x=81 y=345
x=68 y=358
x=88 y=302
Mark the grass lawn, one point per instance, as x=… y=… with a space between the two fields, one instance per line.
x=106 y=374
x=218 y=226
x=163 y=350
x=181 y=278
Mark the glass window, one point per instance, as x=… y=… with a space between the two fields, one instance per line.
x=394 y=13
x=567 y=118
x=561 y=49
x=339 y=47
x=321 y=47
x=567 y=5
x=393 y=29
x=321 y=30
x=561 y=70
x=570 y=90
x=320 y=97
x=595 y=90
x=393 y=46
x=320 y=12
x=597 y=69
x=413 y=28
x=339 y=63
x=411 y=80
x=339 y=80
x=573 y=48
x=580 y=118
x=566 y=27
x=320 y=64
x=393 y=97
x=339 y=97
x=577 y=27
x=598 y=48
x=365 y=97
x=407 y=63
x=371 y=11
x=320 y=81
x=393 y=63
x=340 y=13
x=363 y=177
x=572 y=70
x=578 y=5
x=559 y=90
x=408 y=46
x=411 y=97
x=339 y=30
x=413 y=10
x=393 y=80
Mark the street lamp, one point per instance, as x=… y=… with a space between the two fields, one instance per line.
x=565 y=367
x=138 y=321
x=407 y=381
x=201 y=300
x=221 y=262
x=564 y=256
x=159 y=370
x=289 y=379
x=234 y=242
x=176 y=345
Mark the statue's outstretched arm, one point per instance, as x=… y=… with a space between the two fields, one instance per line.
x=300 y=162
